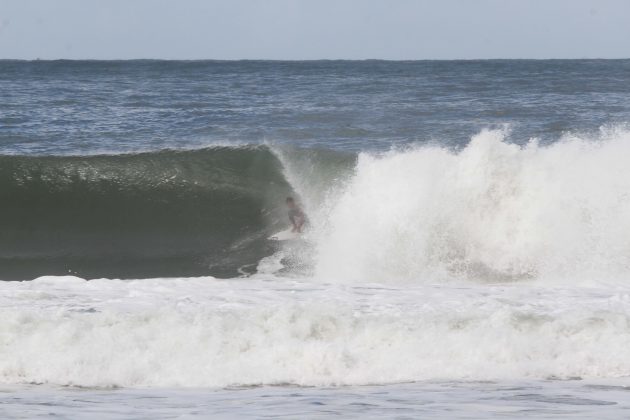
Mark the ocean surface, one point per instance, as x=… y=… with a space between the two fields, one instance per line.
x=467 y=255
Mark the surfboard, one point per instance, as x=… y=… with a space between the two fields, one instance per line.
x=285 y=235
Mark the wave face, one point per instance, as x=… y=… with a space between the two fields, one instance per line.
x=492 y=211
x=168 y=213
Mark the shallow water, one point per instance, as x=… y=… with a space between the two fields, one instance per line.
x=448 y=400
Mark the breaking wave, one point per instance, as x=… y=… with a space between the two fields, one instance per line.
x=492 y=211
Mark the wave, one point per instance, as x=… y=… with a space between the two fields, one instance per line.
x=492 y=211
x=427 y=264
x=166 y=213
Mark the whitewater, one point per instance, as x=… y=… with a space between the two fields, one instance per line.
x=494 y=211
x=206 y=332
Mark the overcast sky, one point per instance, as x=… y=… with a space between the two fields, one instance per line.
x=314 y=29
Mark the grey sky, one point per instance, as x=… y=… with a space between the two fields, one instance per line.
x=312 y=29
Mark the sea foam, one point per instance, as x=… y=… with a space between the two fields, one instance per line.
x=203 y=332
x=492 y=211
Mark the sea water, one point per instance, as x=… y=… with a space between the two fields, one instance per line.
x=467 y=256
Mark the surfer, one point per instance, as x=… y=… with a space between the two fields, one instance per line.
x=296 y=216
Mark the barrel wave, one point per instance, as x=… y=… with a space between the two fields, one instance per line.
x=165 y=213
x=490 y=211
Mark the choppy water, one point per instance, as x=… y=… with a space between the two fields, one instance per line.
x=87 y=107
x=468 y=254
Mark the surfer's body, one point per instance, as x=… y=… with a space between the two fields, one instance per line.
x=296 y=216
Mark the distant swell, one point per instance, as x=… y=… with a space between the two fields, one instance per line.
x=167 y=213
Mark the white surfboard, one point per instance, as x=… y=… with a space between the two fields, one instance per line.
x=285 y=235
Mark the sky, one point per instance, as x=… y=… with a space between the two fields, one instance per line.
x=314 y=29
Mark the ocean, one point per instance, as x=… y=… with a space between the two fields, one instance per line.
x=467 y=253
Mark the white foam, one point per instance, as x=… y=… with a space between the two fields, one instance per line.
x=206 y=332
x=493 y=211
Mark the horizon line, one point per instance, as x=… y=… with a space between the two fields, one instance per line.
x=313 y=59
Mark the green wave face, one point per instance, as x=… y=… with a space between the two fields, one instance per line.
x=167 y=213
